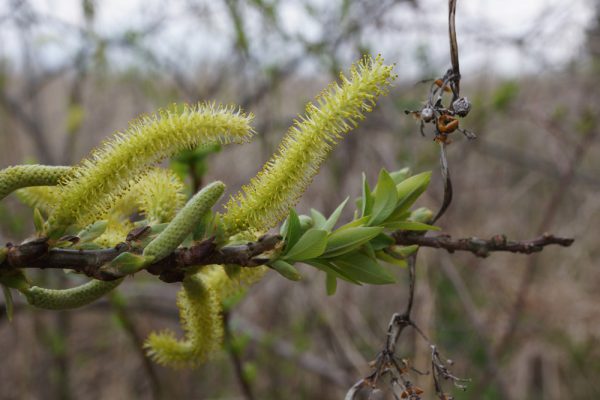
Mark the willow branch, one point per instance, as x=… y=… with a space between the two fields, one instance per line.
x=481 y=247
x=36 y=254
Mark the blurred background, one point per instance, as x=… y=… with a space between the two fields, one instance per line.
x=520 y=327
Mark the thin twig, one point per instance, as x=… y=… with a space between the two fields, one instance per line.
x=236 y=360
x=481 y=247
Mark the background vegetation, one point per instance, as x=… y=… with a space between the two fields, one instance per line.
x=520 y=327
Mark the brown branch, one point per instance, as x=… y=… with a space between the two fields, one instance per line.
x=480 y=247
x=35 y=254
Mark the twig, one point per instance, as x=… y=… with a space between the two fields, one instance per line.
x=119 y=306
x=481 y=247
x=236 y=359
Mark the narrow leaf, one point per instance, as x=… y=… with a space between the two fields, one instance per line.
x=92 y=231
x=340 y=242
x=382 y=255
x=292 y=232
x=319 y=219
x=286 y=270
x=381 y=241
x=367 y=198
x=331 y=284
x=310 y=245
x=364 y=269
x=410 y=189
x=410 y=226
x=329 y=268
x=353 y=224
x=385 y=198
x=405 y=251
x=333 y=218
x=399 y=176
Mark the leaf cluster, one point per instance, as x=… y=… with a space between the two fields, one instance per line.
x=355 y=251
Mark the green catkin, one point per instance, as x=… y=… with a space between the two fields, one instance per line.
x=13 y=178
x=100 y=180
x=200 y=314
x=184 y=222
x=65 y=299
x=283 y=179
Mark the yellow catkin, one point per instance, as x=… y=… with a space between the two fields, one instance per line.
x=102 y=178
x=269 y=196
x=200 y=314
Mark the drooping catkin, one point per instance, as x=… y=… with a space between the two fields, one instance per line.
x=200 y=314
x=21 y=176
x=64 y=299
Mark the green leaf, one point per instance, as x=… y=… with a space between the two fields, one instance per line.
x=330 y=284
x=319 y=219
x=126 y=263
x=353 y=224
x=310 y=245
x=410 y=189
x=292 y=232
x=92 y=231
x=38 y=221
x=385 y=198
x=381 y=241
x=329 y=268
x=285 y=269
x=382 y=255
x=340 y=242
x=364 y=268
x=333 y=218
x=410 y=226
x=399 y=176
x=8 y=301
x=367 y=198
x=405 y=251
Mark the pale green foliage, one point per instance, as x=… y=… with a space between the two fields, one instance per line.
x=99 y=180
x=184 y=222
x=64 y=299
x=13 y=178
x=269 y=196
x=199 y=309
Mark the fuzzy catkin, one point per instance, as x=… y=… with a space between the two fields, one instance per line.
x=13 y=178
x=64 y=299
x=268 y=197
x=100 y=180
x=184 y=222
x=200 y=314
